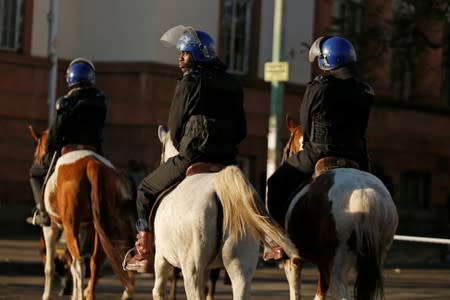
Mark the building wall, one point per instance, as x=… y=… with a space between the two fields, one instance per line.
x=119 y=30
x=102 y=31
x=138 y=77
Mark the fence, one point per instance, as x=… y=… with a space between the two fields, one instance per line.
x=421 y=239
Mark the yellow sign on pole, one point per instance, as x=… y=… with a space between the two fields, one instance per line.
x=276 y=71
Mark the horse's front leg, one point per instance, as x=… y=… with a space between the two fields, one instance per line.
x=50 y=233
x=129 y=292
x=194 y=283
x=163 y=270
x=77 y=270
x=293 y=269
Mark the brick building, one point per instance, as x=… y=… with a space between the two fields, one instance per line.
x=409 y=132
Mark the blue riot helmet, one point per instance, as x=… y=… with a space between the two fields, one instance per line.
x=81 y=71
x=332 y=52
x=199 y=44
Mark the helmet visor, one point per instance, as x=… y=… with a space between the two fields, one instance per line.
x=315 y=51
x=171 y=36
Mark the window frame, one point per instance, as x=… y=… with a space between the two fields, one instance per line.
x=251 y=47
x=348 y=11
x=415 y=191
x=19 y=20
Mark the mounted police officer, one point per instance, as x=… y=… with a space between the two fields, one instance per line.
x=206 y=123
x=78 y=124
x=334 y=115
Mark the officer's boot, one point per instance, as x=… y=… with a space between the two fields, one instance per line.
x=142 y=262
x=40 y=216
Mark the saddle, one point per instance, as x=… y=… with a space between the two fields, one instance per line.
x=203 y=167
x=195 y=168
x=73 y=147
x=330 y=162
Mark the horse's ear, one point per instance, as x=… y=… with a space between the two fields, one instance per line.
x=290 y=123
x=33 y=133
x=162 y=132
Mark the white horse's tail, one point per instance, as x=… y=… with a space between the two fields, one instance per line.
x=243 y=210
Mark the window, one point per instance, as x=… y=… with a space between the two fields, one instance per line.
x=11 y=25
x=347 y=17
x=236 y=37
x=402 y=50
x=414 y=190
x=445 y=87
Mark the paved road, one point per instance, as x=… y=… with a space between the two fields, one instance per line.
x=269 y=284
x=21 y=278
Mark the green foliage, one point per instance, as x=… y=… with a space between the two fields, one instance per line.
x=372 y=34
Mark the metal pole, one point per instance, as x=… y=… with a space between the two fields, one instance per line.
x=52 y=80
x=277 y=92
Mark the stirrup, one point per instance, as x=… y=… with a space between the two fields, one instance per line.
x=32 y=220
x=38 y=214
x=126 y=259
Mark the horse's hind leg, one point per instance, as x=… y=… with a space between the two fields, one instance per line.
x=97 y=258
x=293 y=268
x=241 y=276
x=194 y=284
x=343 y=262
x=172 y=283
x=163 y=271
x=212 y=280
x=77 y=267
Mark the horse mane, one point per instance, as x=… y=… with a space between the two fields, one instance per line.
x=169 y=149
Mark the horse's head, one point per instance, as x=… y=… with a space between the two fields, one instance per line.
x=168 y=149
x=40 y=139
x=295 y=141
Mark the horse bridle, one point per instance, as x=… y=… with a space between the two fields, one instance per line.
x=287 y=151
x=38 y=159
x=163 y=153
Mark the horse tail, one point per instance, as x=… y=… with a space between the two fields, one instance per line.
x=243 y=210
x=370 y=244
x=102 y=182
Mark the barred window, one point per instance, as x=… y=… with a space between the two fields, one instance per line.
x=347 y=17
x=11 y=25
x=236 y=26
x=402 y=65
x=445 y=77
x=414 y=190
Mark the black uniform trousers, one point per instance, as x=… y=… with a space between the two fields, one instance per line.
x=280 y=188
x=167 y=174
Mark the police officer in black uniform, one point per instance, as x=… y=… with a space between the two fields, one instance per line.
x=206 y=123
x=80 y=118
x=333 y=115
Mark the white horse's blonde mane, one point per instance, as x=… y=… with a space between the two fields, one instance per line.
x=169 y=149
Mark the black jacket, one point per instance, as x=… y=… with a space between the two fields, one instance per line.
x=207 y=119
x=80 y=118
x=334 y=116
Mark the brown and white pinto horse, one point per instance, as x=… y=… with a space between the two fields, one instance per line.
x=81 y=192
x=344 y=220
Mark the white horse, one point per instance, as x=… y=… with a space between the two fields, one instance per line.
x=211 y=220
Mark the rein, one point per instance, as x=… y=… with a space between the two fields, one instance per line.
x=163 y=153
